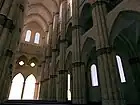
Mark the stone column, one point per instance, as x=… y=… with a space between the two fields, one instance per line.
x=7 y=85
x=48 y=53
x=24 y=83
x=78 y=70
x=108 y=76
x=12 y=40
x=36 y=91
x=41 y=79
x=62 y=73
x=47 y=65
x=52 y=81
x=5 y=10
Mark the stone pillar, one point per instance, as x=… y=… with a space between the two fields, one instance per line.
x=52 y=81
x=11 y=42
x=62 y=81
x=48 y=53
x=5 y=10
x=24 y=83
x=42 y=67
x=36 y=93
x=7 y=85
x=78 y=70
x=108 y=73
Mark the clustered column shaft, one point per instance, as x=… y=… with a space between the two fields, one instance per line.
x=62 y=81
x=52 y=74
x=9 y=33
x=109 y=79
x=78 y=70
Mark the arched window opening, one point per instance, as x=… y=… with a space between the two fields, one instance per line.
x=68 y=91
x=120 y=68
x=28 y=36
x=16 y=87
x=86 y=21
x=61 y=9
x=29 y=87
x=70 y=1
x=94 y=77
x=69 y=34
x=37 y=38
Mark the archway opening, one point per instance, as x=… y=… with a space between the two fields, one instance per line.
x=16 y=87
x=86 y=21
x=29 y=87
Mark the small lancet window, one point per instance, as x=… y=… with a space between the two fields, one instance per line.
x=28 y=36
x=120 y=68
x=16 y=87
x=94 y=76
x=70 y=7
x=37 y=38
x=68 y=91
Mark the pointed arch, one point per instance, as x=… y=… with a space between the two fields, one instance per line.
x=29 y=87
x=85 y=20
x=37 y=38
x=16 y=87
x=28 y=36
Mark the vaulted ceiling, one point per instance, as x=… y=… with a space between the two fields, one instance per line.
x=41 y=12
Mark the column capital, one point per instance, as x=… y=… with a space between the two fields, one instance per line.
x=76 y=64
x=97 y=2
x=50 y=23
x=104 y=50
x=9 y=53
x=62 y=71
x=21 y=7
x=56 y=13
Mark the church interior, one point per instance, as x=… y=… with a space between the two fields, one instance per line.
x=69 y=52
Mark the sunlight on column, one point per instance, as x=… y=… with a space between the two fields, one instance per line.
x=68 y=91
x=16 y=87
x=29 y=88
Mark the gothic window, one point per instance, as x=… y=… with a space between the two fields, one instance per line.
x=120 y=68
x=68 y=91
x=16 y=87
x=29 y=87
x=28 y=36
x=60 y=16
x=70 y=7
x=37 y=38
x=94 y=77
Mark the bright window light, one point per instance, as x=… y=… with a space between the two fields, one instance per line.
x=21 y=63
x=70 y=7
x=16 y=87
x=94 y=77
x=32 y=64
x=37 y=38
x=28 y=36
x=120 y=68
x=68 y=91
x=29 y=88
